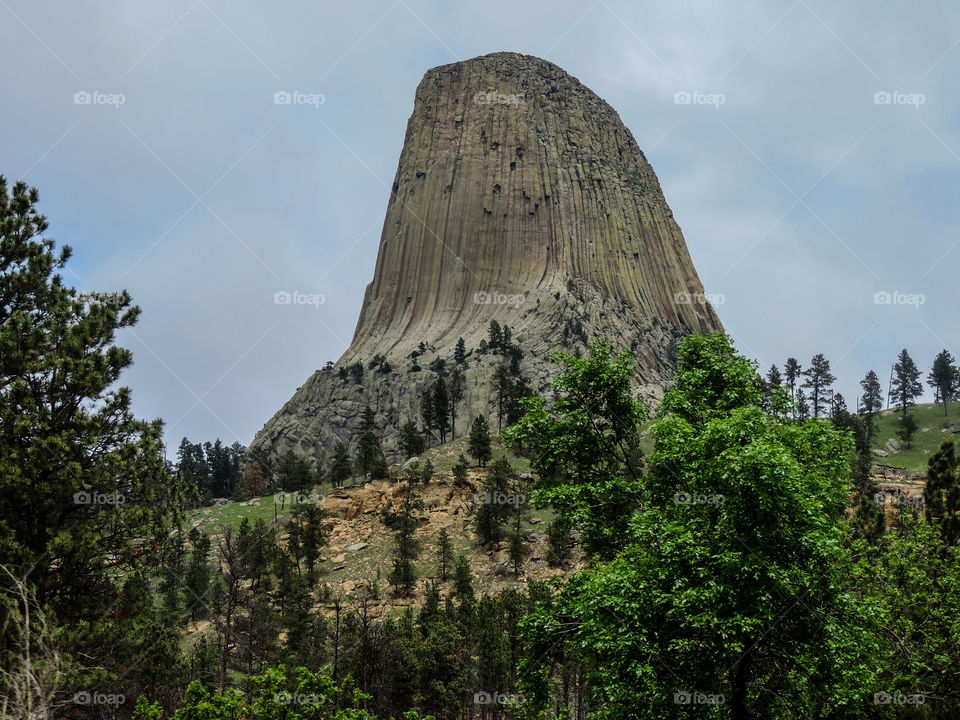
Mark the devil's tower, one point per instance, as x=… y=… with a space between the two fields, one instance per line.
x=520 y=197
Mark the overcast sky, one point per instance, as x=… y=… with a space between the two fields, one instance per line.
x=801 y=192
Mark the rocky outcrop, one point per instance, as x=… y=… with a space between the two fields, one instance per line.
x=520 y=197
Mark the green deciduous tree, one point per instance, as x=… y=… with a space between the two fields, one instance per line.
x=743 y=515
x=586 y=446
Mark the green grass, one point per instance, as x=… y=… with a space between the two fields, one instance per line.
x=934 y=428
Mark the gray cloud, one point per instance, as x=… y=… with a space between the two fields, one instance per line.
x=292 y=196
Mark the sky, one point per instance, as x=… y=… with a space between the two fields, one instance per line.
x=810 y=152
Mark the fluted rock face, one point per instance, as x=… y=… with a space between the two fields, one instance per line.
x=520 y=197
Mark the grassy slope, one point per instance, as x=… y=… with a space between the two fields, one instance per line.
x=934 y=428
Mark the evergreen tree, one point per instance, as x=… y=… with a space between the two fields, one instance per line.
x=444 y=553
x=426 y=472
x=502 y=391
x=495 y=334
x=455 y=391
x=479 y=445
x=801 y=408
x=368 y=447
x=85 y=493
x=460 y=353
x=907 y=428
x=818 y=379
x=441 y=407
x=197 y=578
x=406 y=545
x=462 y=579
x=460 y=471
x=941 y=494
x=906 y=383
x=792 y=372
x=428 y=410
x=411 y=440
x=341 y=466
x=871 y=402
x=772 y=384
x=944 y=378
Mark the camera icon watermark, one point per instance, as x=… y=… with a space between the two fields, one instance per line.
x=497 y=698
x=698 y=298
x=295 y=97
x=495 y=298
x=94 y=498
x=85 y=697
x=884 y=297
x=499 y=498
x=298 y=698
x=695 y=498
x=884 y=97
x=295 y=498
x=495 y=97
x=898 y=698
x=84 y=97
x=282 y=297
x=899 y=498
x=694 y=697
x=695 y=97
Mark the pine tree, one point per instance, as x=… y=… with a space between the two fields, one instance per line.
x=906 y=383
x=462 y=579
x=941 y=494
x=871 y=402
x=341 y=466
x=502 y=391
x=441 y=407
x=801 y=408
x=559 y=541
x=479 y=444
x=907 y=428
x=426 y=472
x=944 y=378
x=428 y=411
x=455 y=390
x=406 y=545
x=495 y=336
x=368 y=447
x=411 y=440
x=444 y=553
x=85 y=492
x=792 y=372
x=460 y=471
x=197 y=578
x=460 y=353
x=818 y=379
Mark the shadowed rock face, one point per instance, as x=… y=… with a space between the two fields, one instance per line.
x=520 y=197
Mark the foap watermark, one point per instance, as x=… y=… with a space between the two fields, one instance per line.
x=695 y=498
x=884 y=297
x=295 y=498
x=94 y=498
x=698 y=298
x=84 y=97
x=282 y=297
x=495 y=97
x=499 y=498
x=495 y=298
x=899 y=498
x=298 y=698
x=295 y=97
x=898 y=698
x=85 y=697
x=497 y=698
x=695 y=697
x=695 y=97
x=885 y=97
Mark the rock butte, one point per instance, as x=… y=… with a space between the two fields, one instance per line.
x=520 y=197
